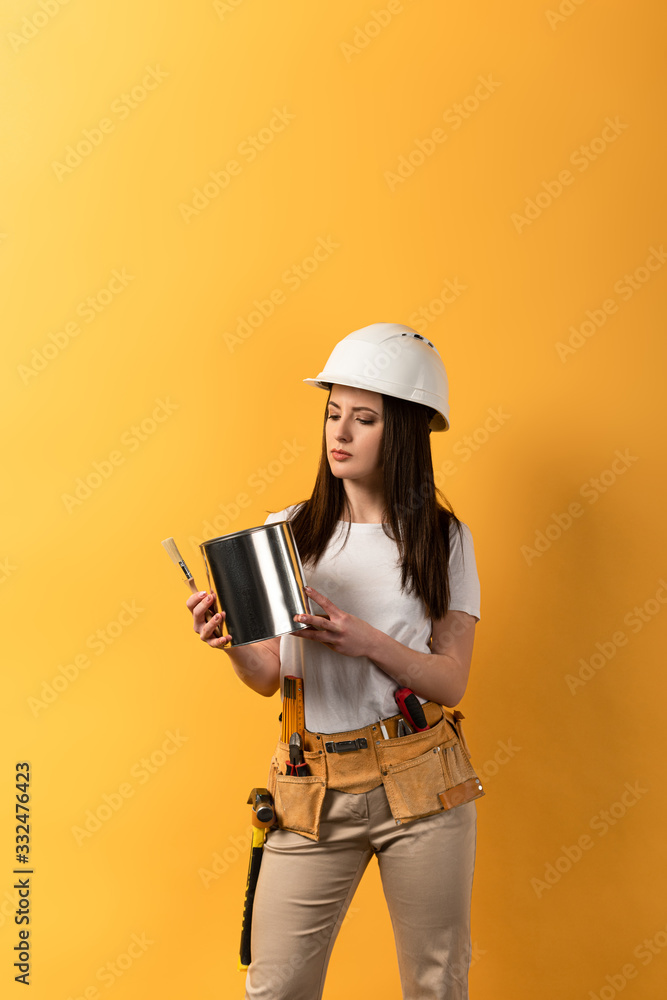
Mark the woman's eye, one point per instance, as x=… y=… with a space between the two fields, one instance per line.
x=335 y=416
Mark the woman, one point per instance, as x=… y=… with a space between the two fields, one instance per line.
x=390 y=568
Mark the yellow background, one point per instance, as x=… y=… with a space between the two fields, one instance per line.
x=363 y=91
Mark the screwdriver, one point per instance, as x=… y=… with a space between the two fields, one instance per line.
x=411 y=709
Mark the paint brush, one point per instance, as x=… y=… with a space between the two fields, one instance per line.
x=172 y=551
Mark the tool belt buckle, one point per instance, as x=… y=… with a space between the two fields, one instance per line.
x=346 y=746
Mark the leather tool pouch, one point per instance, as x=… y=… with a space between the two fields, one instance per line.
x=422 y=774
x=428 y=772
x=298 y=801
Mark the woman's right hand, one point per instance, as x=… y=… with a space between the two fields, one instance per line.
x=199 y=604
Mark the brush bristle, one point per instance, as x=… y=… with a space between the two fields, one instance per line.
x=176 y=557
x=172 y=551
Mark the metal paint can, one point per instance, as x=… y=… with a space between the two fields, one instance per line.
x=258 y=579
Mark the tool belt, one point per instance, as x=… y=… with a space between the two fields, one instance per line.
x=422 y=773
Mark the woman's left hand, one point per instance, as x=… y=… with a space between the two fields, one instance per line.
x=342 y=632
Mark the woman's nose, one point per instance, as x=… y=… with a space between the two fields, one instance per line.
x=343 y=428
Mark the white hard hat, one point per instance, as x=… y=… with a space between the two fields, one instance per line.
x=394 y=360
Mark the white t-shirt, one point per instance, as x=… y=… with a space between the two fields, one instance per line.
x=364 y=578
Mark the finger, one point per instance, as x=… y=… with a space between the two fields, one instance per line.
x=320 y=599
x=220 y=642
x=313 y=621
x=313 y=633
x=207 y=630
x=194 y=599
x=316 y=635
x=200 y=610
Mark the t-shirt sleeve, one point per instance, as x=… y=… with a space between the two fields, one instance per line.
x=281 y=515
x=464 y=590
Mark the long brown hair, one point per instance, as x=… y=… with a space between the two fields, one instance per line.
x=418 y=514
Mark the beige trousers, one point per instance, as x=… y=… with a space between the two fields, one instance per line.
x=305 y=888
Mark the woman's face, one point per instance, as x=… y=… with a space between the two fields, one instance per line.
x=354 y=426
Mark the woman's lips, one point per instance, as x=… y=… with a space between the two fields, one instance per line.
x=339 y=455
